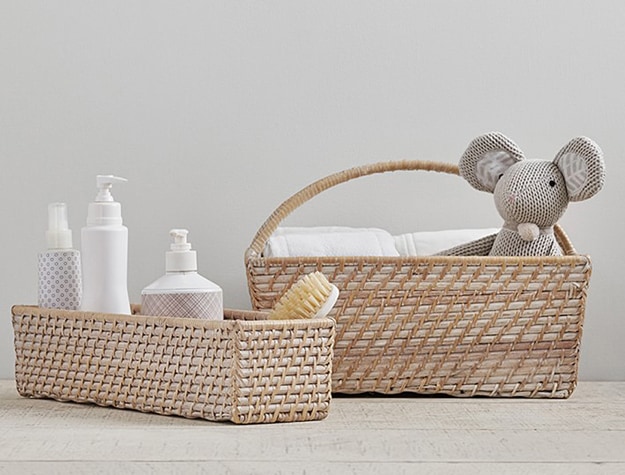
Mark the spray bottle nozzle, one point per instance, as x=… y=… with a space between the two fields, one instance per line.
x=104 y=184
x=58 y=235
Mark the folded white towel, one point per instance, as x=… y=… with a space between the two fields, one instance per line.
x=431 y=242
x=330 y=241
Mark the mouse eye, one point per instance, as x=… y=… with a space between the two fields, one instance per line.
x=552 y=183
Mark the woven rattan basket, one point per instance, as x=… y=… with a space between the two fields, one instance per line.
x=242 y=369
x=463 y=326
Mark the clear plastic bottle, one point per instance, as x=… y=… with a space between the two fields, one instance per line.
x=104 y=244
x=60 y=284
x=182 y=292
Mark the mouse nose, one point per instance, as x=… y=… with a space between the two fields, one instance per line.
x=510 y=197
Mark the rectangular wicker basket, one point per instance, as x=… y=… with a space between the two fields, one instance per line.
x=244 y=369
x=462 y=326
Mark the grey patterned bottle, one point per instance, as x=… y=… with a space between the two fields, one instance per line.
x=60 y=281
x=182 y=292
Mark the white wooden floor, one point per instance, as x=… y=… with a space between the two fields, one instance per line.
x=582 y=435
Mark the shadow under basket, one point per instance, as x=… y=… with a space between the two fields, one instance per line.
x=461 y=326
x=244 y=369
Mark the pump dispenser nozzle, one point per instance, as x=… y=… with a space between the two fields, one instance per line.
x=180 y=258
x=104 y=211
x=58 y=235
x=180 y=240
x=104 y=184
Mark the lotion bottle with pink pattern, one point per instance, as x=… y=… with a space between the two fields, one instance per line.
x=182 y=292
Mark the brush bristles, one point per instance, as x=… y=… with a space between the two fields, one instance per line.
x=303 y=299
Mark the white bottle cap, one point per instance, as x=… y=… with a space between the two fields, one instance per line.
x=180 y=258
x=104 y=210
x=58 y=235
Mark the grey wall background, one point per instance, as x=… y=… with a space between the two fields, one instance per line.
x=218 y=111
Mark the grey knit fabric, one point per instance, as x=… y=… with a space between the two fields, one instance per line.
x=486 y=158
x=532 y=191
x=530 y=195
x=479 y=247
x=584 y=178
x=510 y=243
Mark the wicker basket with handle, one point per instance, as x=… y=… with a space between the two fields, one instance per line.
x=244 y=369
x=463 y=326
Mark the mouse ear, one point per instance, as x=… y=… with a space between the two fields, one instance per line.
x=581 y=163
x=486 y=158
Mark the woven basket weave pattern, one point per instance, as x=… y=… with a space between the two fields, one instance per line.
x=236 y=370
x=437 y=325
x=464 y=326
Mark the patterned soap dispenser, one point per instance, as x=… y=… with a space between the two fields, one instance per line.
x=60 y=281
x=182 y=292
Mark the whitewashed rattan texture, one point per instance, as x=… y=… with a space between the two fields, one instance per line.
x=462 y=326
x=243 y=369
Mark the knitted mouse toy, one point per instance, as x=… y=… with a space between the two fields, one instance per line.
x=530 y=195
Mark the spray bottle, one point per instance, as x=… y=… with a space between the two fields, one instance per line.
x=182 y=292
x=60 y=284
x=105 y=253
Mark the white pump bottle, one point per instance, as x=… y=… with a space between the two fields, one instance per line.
x=104 y=244
x=182 y=292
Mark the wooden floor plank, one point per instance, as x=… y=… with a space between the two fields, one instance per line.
x=350 y=445
x=308 y=467
x=364 y=434
x=575 y=414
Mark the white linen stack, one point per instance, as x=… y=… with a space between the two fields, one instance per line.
x=347 y=241
x=427 y=243
x=330 y=241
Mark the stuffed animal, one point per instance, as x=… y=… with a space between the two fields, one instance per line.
x=530 y=195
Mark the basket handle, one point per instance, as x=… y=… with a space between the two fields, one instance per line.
x=312 y=190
